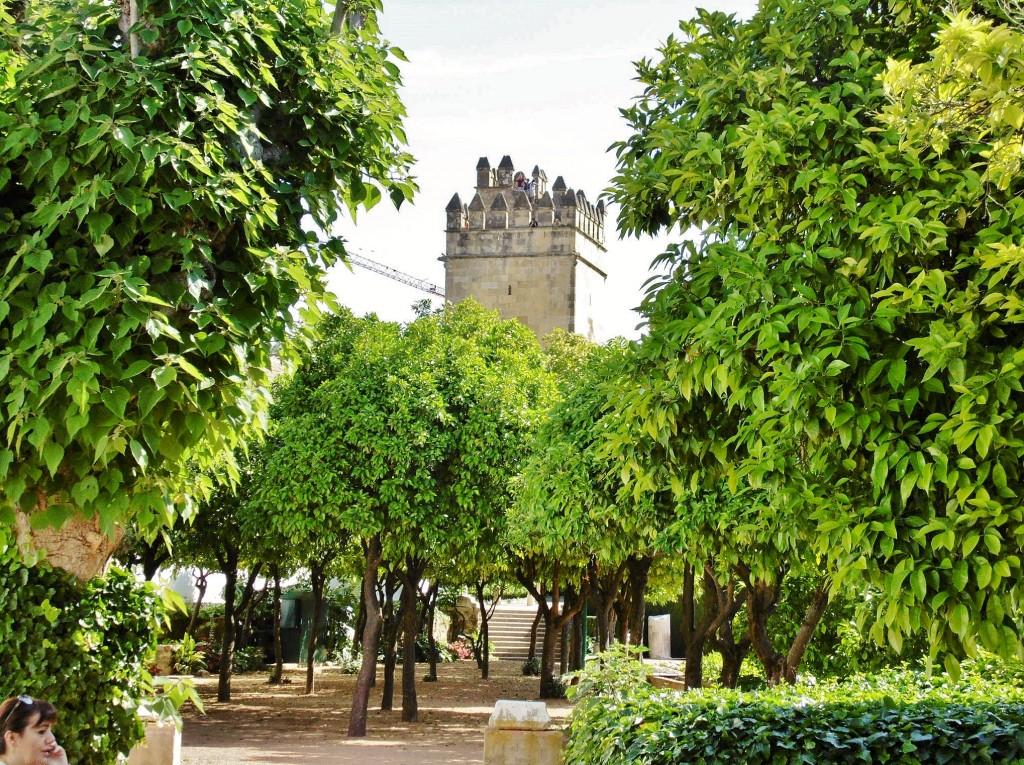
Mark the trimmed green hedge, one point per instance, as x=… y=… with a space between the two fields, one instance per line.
x=899 y=717
x=82 y=646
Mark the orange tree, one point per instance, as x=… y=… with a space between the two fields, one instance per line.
x=407 y=439
x=842 y=331
x=159 y=163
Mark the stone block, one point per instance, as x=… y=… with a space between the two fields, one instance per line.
x=164 y=661
x=162 y=745
x=519 y=715
x=659 y=636
x=522 y=747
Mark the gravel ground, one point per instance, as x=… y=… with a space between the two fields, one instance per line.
x=269 y=725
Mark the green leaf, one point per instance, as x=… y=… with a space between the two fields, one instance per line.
x=53 y=454
x=897 y=373
x=116 y=399
x=140 y=454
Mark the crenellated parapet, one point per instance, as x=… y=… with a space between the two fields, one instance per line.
x=506 y=198
x=529 y=251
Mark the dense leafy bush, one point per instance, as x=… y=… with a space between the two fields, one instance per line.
x=531 y=667
x=189 y=656
x=895 y=717
x=84 y=647
x=249 y=659
x=442 y=653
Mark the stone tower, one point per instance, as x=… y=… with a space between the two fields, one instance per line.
x=528 y=252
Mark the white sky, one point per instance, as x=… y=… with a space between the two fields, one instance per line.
x=540 y=80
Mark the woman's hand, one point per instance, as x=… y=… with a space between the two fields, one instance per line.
x=56 y=755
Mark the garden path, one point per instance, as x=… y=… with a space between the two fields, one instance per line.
x=279 y=725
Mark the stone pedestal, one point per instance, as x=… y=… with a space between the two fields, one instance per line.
x=520 y=733
x=162 y=745
x=659 y=636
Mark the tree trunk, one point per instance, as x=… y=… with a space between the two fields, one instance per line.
x=554 y=621
x=318 y=579
x=533 y=631
x=483 y=648
x=370 y=640
x=604 y=588
x=698 y=616
x=577 y=649
x=358 y=627
x=621 y=609
x=639 y=568
x=201 y=584
x=431 y=607
x=278 y=674
x=243 y=610
x=812 y=616
x=344 y=15
x=227 y=647
x=720 y=631
x=563 y=648
x=548 y=688
x=78 y=547
x=154 y=555
x=129 y=17
x=410 y=630
x=762 y=600
x=392 y=626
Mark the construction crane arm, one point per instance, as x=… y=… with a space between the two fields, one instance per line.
x=393 y=273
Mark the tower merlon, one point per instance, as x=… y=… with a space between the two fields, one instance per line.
x=456 y=214
x=484 y=176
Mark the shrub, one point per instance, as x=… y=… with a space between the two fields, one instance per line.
x=189 y=656
x=83 y=646
x=531 y=667
x=442 y=653
x=249 y=659
x=461 y=648
x=345 y=661
x=896 y=717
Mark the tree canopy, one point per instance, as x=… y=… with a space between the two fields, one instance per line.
x=156 y=179
x=842 y=332
x=406 y=437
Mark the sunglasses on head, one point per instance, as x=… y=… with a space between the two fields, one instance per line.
x=21 y=701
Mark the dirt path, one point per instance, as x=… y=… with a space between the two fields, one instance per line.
x=270 y=725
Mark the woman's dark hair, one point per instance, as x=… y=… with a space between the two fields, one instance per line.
x=17 y=713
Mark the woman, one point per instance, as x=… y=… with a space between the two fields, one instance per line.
x=26 y=736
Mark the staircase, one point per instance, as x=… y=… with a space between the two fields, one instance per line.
x=509 y=632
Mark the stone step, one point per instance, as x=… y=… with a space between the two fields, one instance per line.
x=509 y=631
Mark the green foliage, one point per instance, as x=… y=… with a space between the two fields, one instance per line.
x=414 y=432
x=967 y=92
x=188 y=657
x=248 y=659
x=898 y=717
x=531 y=667
x=152 y=235
x=843 y=335
x=84 y=647
x=570 y=503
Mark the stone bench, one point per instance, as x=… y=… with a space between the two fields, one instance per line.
x=520 y=733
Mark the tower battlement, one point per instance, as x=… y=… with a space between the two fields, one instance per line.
x=531 y=252
x=508 y=198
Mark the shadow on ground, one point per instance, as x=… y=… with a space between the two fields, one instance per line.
x=266 y=724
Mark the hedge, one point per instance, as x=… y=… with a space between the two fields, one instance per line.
x=898 y=717
x=83 y=647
